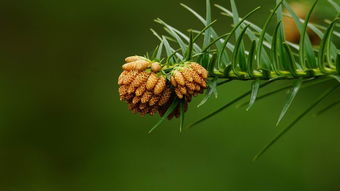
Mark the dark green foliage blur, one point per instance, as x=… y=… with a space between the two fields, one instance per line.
x=62 y=126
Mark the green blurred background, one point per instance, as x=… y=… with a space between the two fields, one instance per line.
x=62 y=126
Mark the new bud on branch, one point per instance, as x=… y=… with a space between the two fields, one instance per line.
x=149 y=87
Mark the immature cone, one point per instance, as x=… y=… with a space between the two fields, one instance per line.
x=291 y=31
x=189 y=80
x=145 y=91
x=156 y=67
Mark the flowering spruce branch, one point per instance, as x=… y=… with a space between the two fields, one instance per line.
x=179 y=68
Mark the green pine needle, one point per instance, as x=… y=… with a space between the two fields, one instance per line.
x=292 y=95
x=227 y=105
x=285 y=130
x=167 y=113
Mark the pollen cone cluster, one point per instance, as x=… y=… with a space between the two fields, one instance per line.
x=189 y=80
x=145 y=91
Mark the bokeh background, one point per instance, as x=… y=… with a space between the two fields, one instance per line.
x=62 y=126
